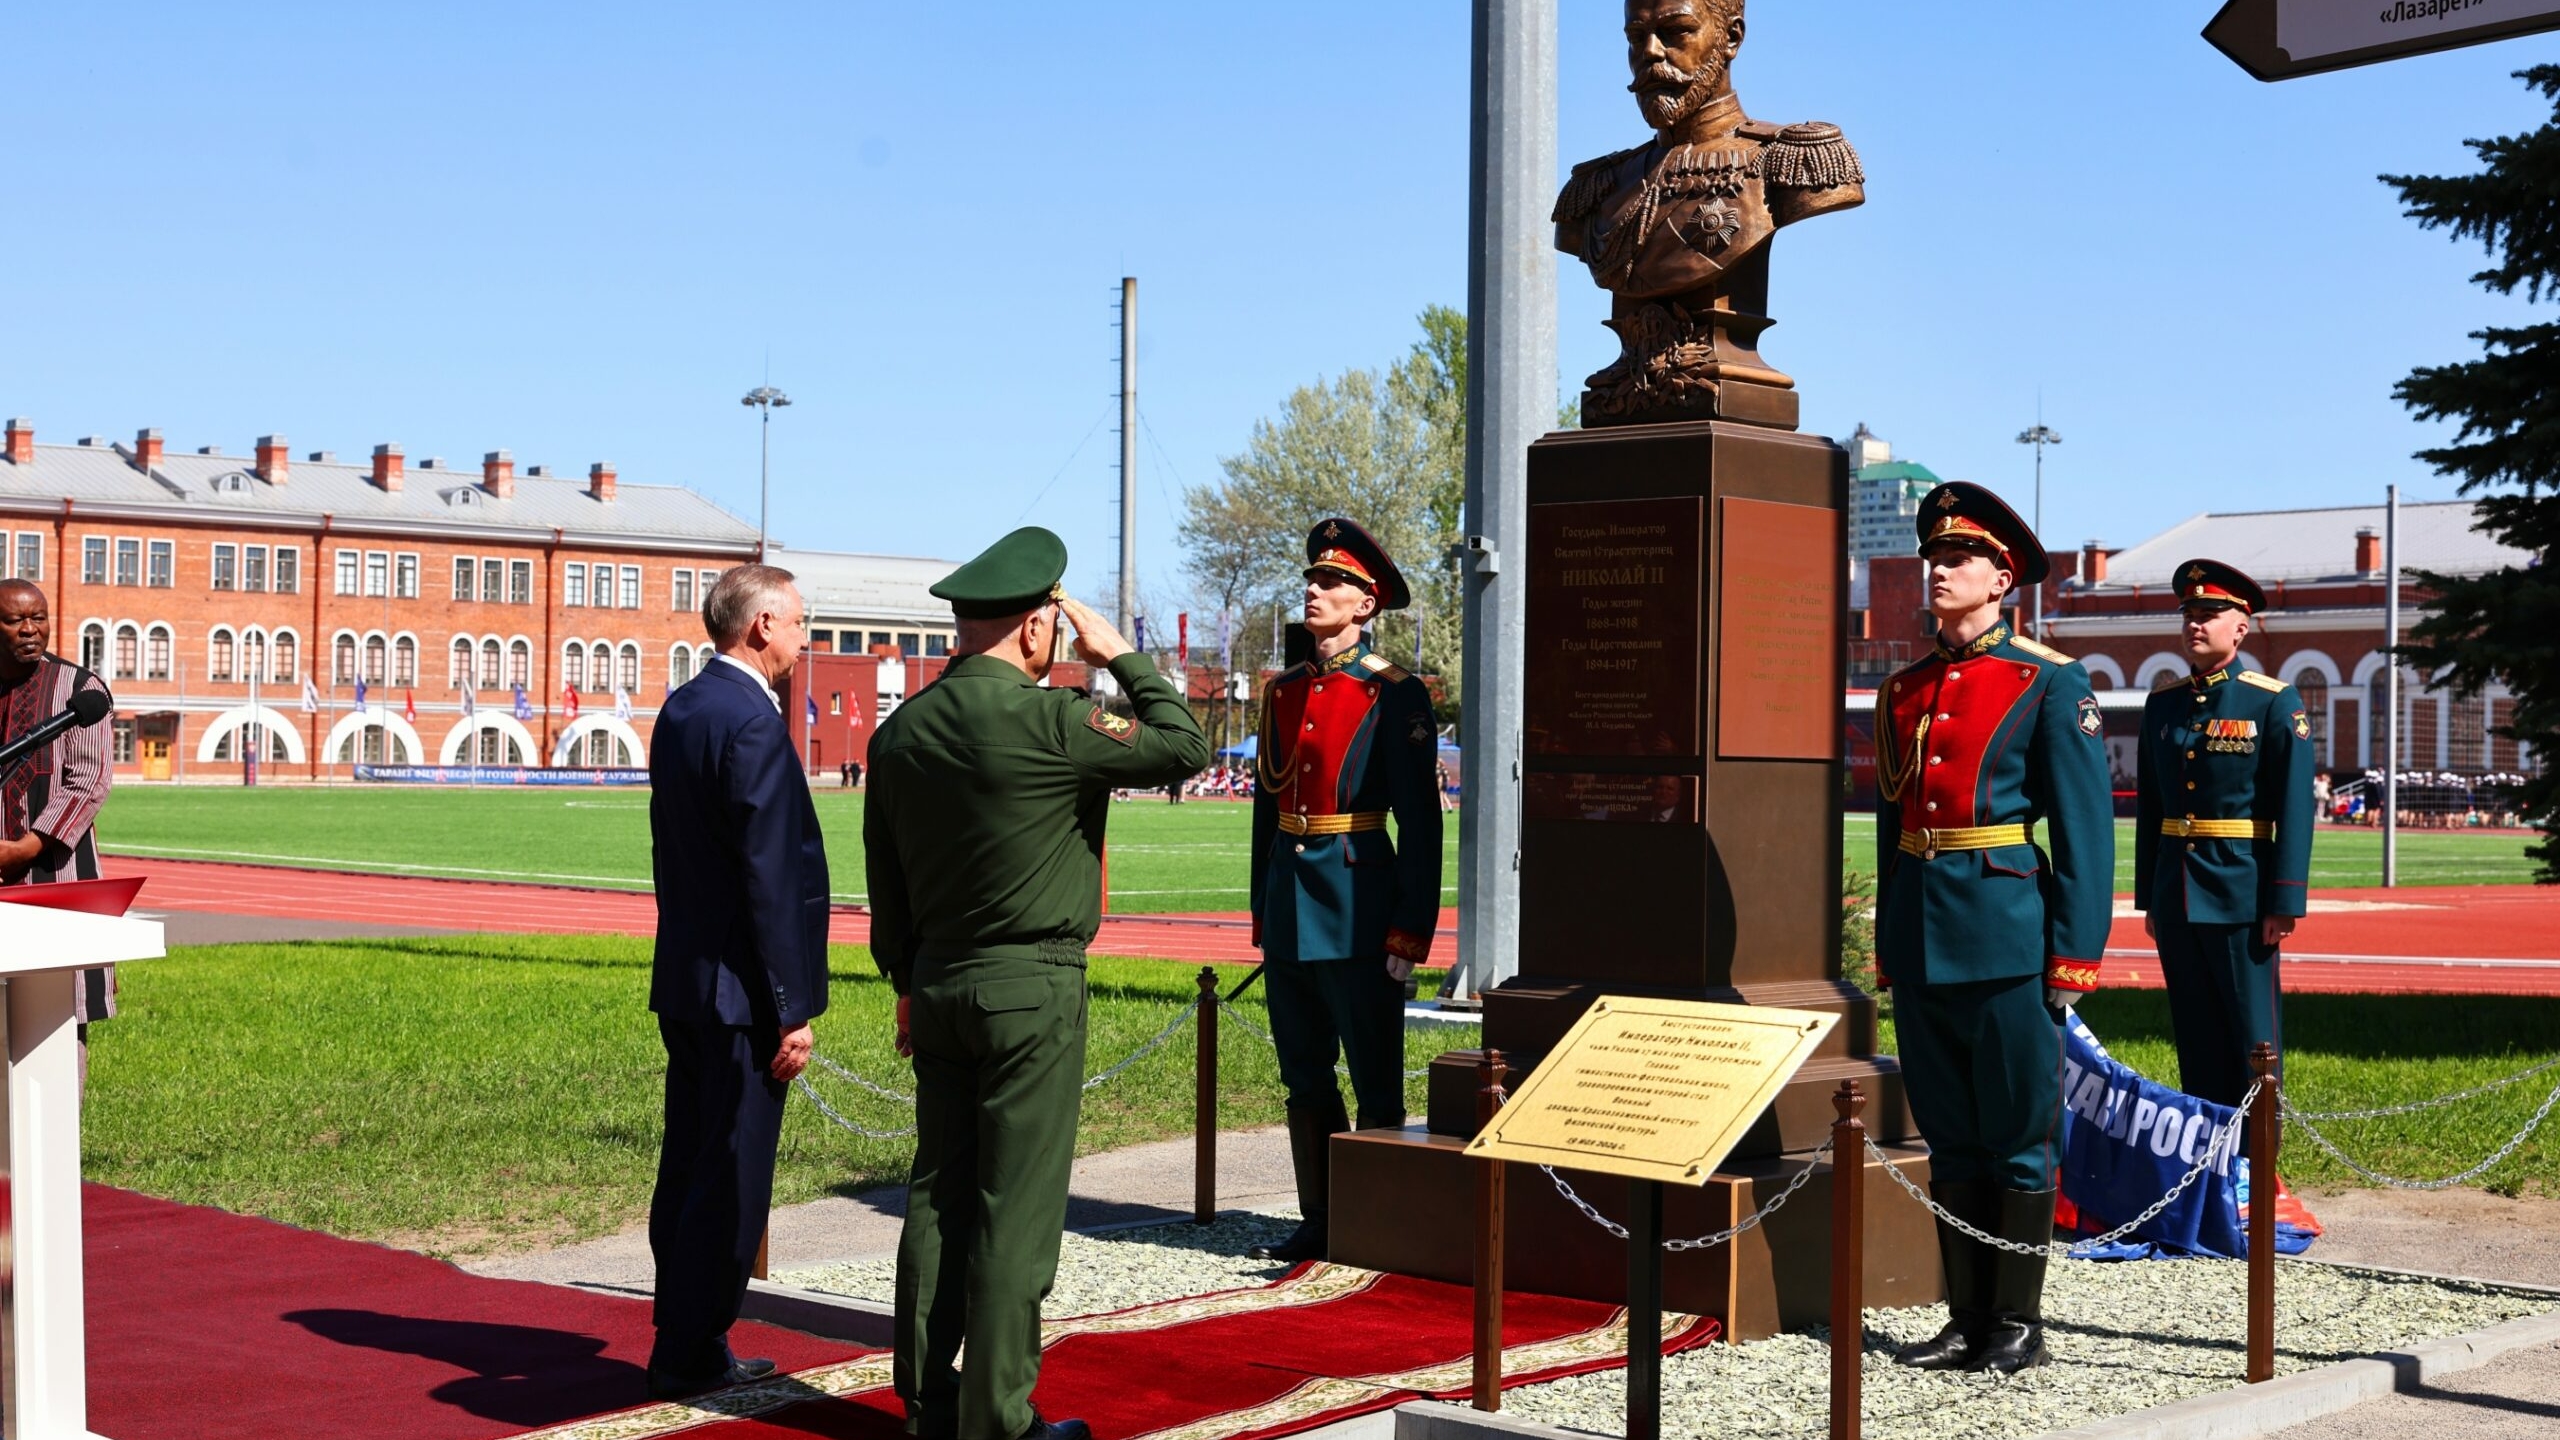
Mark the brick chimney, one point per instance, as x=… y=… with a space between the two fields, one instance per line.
x=498 y=474
x=147 y=449
x=22 y=442
x=2093 y=564
x=600 y=481
x=2368 y=552
x=275 y=462
x=386 y=468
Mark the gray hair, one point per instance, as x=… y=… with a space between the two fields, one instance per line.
x=741 y=594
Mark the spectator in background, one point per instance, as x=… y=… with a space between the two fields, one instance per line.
x=49 y=803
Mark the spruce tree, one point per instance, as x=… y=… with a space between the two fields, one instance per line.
x=2503 y=625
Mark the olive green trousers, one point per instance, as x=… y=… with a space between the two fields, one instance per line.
x=999 y=1059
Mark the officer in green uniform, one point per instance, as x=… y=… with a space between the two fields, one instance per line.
x=1983 y=934
x=984 y=833
x=2222 y=843
x=1342 y=912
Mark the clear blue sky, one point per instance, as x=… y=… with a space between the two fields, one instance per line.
x=580 y=232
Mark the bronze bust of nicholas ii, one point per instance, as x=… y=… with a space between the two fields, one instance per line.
x=1677 y=229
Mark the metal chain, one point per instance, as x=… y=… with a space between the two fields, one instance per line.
x=2396 y=1183
x=856 y=1127
x=1143 y=1051
x=2415 y=1106
x=883 y=1091
x=1702 y=1242
x=2228 y=1135
x=1264 y=1036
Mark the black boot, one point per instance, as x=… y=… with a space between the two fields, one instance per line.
x=2016 y=1338
x=1311 y=1131
x=1968 y=1280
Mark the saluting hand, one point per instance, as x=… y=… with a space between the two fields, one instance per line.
x=1096 y=641
x=793 y=1057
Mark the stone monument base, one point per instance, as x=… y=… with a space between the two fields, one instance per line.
x=1769 y=1279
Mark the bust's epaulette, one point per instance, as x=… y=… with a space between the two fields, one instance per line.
x=1590 y=182
x=2172 y=678
x=2040 y=650
x=1811 y=156
x=1384 y=668
x=2263 y=682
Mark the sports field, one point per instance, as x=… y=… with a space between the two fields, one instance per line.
x=1164 y=858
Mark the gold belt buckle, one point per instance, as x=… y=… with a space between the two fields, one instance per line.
x=1928 y=843
x=2186 y=827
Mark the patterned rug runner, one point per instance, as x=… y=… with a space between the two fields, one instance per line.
x=1322 y=1344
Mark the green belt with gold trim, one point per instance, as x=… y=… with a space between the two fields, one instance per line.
x=1926 y=843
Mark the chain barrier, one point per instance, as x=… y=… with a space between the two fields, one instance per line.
x=2397 y=1183
x=883 y=1091
x=2228 y=1137
x=2415 y=1106
x=1776 y=1203
x=855 y=1126
x=1258 y=1033
x=1143 y=1051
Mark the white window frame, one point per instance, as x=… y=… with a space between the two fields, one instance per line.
x=284 y=569
x=153 y=552
x=466 y=569
x=104 y=550
x=377 y=574
x=632 y=589
x=159 y=650
x=18 y=556
x=253 y=558
x=347 y=571
x=573 y=583
x=404 y=575
x=135 y=544
x=519 y=582
x=226 y=568
x=680 y=590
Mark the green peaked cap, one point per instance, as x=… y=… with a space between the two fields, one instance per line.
x=1015 y=574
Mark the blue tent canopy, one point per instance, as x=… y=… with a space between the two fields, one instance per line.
x=1251 y=747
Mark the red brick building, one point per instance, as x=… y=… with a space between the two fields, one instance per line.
x=209 y=590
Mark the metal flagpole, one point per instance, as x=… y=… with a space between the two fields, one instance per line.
x=2391 y=687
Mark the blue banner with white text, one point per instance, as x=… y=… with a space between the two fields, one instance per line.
x=501 y=775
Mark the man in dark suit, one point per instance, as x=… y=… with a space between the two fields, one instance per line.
x=741 y=967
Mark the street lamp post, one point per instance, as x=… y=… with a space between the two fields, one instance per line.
x=2039 y=437
x=766 y=399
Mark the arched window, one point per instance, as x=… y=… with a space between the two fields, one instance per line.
x=519 y=662
x=288 y=648
x=404 y=660
x=93 y=646
x=220 y=659
x=491 y=677
x=457 y=666
x=2314 y=689
x=376 y=651
x=600 y=664
x=627 y=674
x=679 y=666
x=496 y=747
x=156 y=645
x=370 y=745
x=253 y=654
x=342 y=658
x=128 y=652
x=573 y=666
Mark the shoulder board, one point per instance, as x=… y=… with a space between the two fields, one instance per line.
x=1589 y=183
x=2039 y=650
x=1811 y=156
x=1763 y=131
x=2263 y=682
x=1384 y=668
x=2173 y=678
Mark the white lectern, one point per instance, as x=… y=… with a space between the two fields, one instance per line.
x=44 y=1381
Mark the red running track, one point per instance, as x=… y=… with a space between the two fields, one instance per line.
x=2441 y=940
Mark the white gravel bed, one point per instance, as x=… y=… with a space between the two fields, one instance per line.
x=2124 y=1337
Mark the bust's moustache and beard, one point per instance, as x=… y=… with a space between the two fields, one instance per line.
x=1668 y=94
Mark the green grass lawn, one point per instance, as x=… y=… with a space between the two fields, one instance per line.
x=474 y=1093
x=470 y=1093
x=1163 y=857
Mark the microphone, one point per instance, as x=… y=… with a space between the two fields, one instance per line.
x=87 y=708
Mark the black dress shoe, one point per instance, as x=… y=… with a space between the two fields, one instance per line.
x=2013 y=1345
x=1949 y=1349
x=667 y=1385
x=1307 y=1242
x=1056 y=1429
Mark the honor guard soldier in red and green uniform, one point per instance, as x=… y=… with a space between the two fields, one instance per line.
x=1983 y=933
x=2222 y=842
x=1342 y=912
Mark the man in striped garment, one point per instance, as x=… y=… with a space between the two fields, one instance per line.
x=49 y=803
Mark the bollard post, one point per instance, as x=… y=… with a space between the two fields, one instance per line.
x=1848 y=1258
x=1490 y=1072
x=764 y=1251
x=1204 y=1105
x=2262 y=1216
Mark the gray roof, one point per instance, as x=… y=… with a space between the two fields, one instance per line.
x=842 y=585
x=2301 y=545
x=102 y=479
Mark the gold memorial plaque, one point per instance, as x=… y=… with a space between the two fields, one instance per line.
x=1653 y=1089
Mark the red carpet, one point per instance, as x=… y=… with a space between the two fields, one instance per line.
x=205 y=1325
x=1324 y=1344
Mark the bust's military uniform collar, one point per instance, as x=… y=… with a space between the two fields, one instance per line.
x=2207 y=682
x=1353 y=655
x=1983 y=644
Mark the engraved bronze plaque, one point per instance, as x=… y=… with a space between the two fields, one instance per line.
x=1777 y=631
x=1614 y=595
x=1622 y=799
x=1653 y=1089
